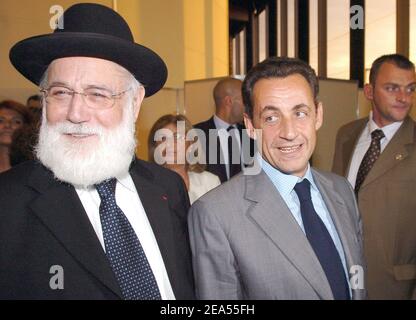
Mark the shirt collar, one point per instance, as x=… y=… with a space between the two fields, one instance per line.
x=124 y=180
x=389 y=130
x=220 y=124
x=284 y=183
x=127 y=182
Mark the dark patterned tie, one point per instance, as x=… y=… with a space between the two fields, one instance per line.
x=233 y=148
x=369 y=159
x=322 y=244
x=123 y=249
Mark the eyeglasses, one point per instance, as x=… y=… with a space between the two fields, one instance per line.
x=94 y=98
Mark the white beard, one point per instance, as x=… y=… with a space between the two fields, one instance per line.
x=83 y=164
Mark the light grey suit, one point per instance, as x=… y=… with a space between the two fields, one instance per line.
x=247 y=245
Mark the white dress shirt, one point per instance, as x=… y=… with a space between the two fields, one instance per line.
x=200 y=183
x=223 y=134
x=129 y=202
x=364 y=143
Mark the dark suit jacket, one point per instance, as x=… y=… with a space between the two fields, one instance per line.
x=43 y=223
x=218 y=168
x=387 y=204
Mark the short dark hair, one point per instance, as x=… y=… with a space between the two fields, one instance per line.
x=276 y=67
x=35 y=97
x=19 y=108
x=398 y=60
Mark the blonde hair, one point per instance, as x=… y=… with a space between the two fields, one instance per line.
x=161 y=123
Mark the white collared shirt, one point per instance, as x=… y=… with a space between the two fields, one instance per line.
x=223 y=134
x=129 y=202
x=364 y=143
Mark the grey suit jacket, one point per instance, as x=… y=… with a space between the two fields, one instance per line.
x=247 y=245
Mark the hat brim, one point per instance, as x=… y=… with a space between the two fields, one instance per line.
x=32 y=56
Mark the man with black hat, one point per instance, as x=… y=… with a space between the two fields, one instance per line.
x=87 y=220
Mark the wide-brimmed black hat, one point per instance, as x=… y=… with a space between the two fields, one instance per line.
x=90 y=30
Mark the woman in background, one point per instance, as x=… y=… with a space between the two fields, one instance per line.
x=13 y=117
x=197 y=180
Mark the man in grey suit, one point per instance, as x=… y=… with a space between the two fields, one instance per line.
x=289 y=232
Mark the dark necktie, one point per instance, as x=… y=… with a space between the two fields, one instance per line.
x=123 y=249
x=369 y=159
x=321 y=242
x=233 y=148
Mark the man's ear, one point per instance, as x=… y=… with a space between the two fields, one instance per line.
x=369 y=91
x=319 y=116
x=248 y=122
x=228 y=100
x=137 y=101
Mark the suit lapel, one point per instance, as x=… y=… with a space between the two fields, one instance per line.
x=349 y=146
x=396 y=151
x=60 y=209
x=273 y=217
x=339 y=215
